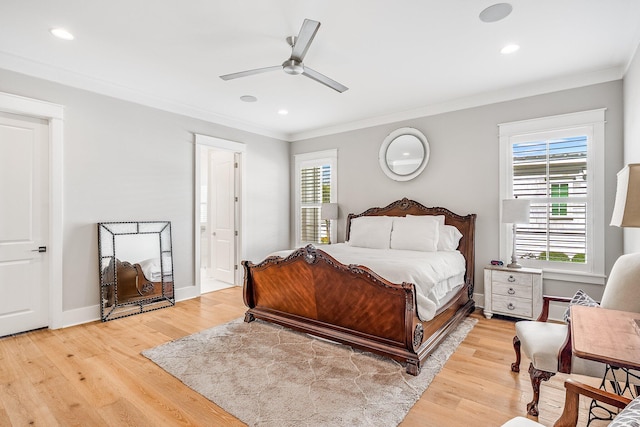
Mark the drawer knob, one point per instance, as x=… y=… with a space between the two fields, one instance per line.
x=511 y=306
x=511 y=279
x=511 y=291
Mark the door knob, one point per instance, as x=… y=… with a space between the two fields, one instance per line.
x=40 y=249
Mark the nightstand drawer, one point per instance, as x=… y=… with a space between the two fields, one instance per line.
x=512 y=306
x=511 y=277
x=512 y=290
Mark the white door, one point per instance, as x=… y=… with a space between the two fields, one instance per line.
x=222 y=214
x=24 y=219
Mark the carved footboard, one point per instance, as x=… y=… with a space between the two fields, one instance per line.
x=312 y=292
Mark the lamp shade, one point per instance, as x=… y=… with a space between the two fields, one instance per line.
x=329 y=211
x=515 y=211
x=626 y=211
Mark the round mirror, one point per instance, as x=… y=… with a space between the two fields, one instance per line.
x=404 y=154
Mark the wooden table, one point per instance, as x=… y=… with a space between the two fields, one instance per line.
x=607 y=336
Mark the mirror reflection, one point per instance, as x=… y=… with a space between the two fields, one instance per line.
x=404 y=154
x=136 y=267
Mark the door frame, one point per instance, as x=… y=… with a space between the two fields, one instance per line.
x=241 y=150
x=54 y=115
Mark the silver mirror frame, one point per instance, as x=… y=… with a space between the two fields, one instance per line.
x=382 y=155
x=117 y=243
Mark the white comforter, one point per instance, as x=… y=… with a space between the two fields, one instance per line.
x=433 y=273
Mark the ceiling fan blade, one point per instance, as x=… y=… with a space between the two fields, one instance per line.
x=321 y=78
x=304 y=39
x=250 y=72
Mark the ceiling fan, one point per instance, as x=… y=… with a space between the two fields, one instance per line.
x=293 y=65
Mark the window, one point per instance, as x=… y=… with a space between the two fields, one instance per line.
x=315 y=185
x=560 y=190
x=557 y=164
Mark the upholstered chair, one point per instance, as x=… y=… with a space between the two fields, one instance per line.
x=630 y=408
x=548 y=344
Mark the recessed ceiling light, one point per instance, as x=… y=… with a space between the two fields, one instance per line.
x=510 y=48
x=283 y=112
x=496 y=12
x=248 y=98
x=61 y=33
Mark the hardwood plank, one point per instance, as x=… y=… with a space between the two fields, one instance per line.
x=20 y=405
x=94 y=374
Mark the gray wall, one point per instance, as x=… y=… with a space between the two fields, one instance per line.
x=463 y=172
x=127 y=162
x=123 y=161
x=632 y=136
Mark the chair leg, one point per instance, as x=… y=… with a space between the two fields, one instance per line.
x=537 y=376
x=515 y=366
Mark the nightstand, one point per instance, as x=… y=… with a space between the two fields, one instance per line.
x=515 y=292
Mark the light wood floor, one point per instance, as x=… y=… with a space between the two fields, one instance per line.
x=94 y=375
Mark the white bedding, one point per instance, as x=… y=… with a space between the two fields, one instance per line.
x=434 y=273
x=152 y=270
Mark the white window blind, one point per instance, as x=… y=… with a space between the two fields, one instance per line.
x=315 y=185
x=552 y=174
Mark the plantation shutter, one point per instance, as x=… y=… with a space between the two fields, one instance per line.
x=552 y=174
x=315 y=189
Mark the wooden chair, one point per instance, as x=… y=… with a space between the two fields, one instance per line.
x=569 y=418
x=548 y=344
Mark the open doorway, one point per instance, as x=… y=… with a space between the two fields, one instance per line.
x=219 y=219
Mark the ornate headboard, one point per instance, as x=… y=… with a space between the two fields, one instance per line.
x=465 y=224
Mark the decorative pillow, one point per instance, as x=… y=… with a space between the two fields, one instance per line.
x=415 y=233
x=580 y=298
x=449 y=237
x=371 y=232
x=629 y=416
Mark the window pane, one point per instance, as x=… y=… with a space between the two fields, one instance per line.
x=553 y=238
x=326 y=184
x=553 y=174
x=530 y=169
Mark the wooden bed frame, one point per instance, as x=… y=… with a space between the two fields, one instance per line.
x=312 y=292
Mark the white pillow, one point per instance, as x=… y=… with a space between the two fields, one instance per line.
x=415 y=233
x=440 y=218
x=371 y=232
x=448 y=238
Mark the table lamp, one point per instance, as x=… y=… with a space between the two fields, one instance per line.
x=515 y=211
x=626 y=211
x=328 y=212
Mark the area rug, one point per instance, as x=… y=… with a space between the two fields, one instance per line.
x=267 y=375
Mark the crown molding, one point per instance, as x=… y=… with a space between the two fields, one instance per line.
x=81 y=81
x=478 y=100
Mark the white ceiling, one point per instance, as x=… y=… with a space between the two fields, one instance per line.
x=399 y=59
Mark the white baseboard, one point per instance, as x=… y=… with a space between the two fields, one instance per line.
x=82 y=315
x=479 y=299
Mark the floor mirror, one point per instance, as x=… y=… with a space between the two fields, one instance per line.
x=136 y=267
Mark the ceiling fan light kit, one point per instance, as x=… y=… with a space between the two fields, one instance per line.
x=294 y=65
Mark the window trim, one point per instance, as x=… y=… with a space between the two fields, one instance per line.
x=594 y=120
x=316 y=158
